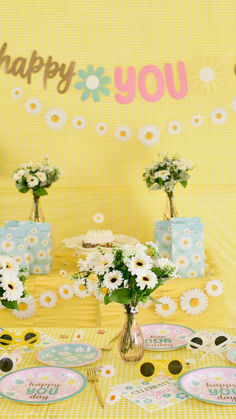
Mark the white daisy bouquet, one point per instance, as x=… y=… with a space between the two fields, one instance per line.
x=165 y=174
x=12 y=280
x=36 y=178
x=127 y=275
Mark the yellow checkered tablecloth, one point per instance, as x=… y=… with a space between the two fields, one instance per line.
x=86 y=405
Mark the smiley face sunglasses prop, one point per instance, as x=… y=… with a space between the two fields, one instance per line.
x=28 y=338
x=148 y=369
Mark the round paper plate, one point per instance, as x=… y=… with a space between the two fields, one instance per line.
x=211 y=384
x=165 y=337
x=42 y=385
x=76 y=242
x=69 y=355
x=231 y=355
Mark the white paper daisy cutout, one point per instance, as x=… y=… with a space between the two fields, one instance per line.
x=196 y=120
x=101 y=128
x=48 y=299
x=26 y=308
x=79 y=122
x=63 y=273
x=149 y=135
x=234 y=104
x=17 y=92
x=55 y=118
x=33 y=105
x=66 y=291
x=123 y=133
x=167 y=307
x=113 y=397
x=98 y=217
x=79 y=289
x=107 y=371
x=174 y=127
x=194 y=301
x=214 y=287
x=219 y=116
x=181 y=261
x=79 y=335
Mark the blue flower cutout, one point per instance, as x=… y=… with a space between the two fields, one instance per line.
x=166 y=395
x=181 y=396
x=93 y=82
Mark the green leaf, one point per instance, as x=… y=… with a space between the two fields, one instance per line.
x=184 y=183
x=107 y=299
x=160 y=181
x=121 y=295
x=23 y=189
x=10 y=304
x=40 y=192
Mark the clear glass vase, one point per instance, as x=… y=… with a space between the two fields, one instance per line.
x=36 y=213
x=170 y=209
x=131 y=341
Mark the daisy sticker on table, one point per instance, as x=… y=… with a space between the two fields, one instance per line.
x=166 y=307
x=66 y=291
x=98 y=217
x=55 y=118
x=48 y=299
x=219 y=116
x=79 y=335
x=113 y=397
x=123 y=133
x=194 y=301
x=107 y=371
x=174 y=127
x=63 y=273
x=16 y=92
x=149 y=135
x=33 y=105
x=79 y=122
x=214 y=287
x=101 y=128
x=26 y=308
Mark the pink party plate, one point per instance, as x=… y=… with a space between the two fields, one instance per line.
x=165 y=337
x=231 y=355
x=215 y=385
x=42 y=385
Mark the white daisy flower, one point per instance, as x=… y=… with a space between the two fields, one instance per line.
x=104 y=263
x=107 y=371
x=33 y=105
x=29 y=258
x=234 y=104
x=165 y=254
x=98 y=218
x=55 y=118
x=37 y=269
x=191 y=273
x=147 y=279
x=79 y=122
x=44 y=242
x=219 y=116
x=199 y=244
x=80 y=289
x=167 y=307
x=214 y=287
x=113 y=397
x=112 y=280
x=193 y=301
x=63 y=273
x=18 y=175
x=12 y=286
x=21 y=247
x=34 y=230
x=41 y=255
x=101 y=128
x=48 y=299
x=26 y=308
x=181 y=261
x=196 y=257
x=65 y=291
x=163 y=262
x=145 y=305
x=7 y=245
x=123 y=133
x=140 y=263
x=163 y=174
x=149 y=135
x=166 y=238
x=79 y=335
x=32 y=240
x=8 y=263
x=100 y=294
x=16 y=92
x=18 y=259
x=32 y=181
x=174 y=127
x=92 y=286
x=196 y=120
x=185 y=242
x=42 y=177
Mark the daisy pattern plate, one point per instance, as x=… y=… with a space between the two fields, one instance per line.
x=231 y=355
x=164 y=337
x=69 y=355
x=211 y=384
x=41 y=385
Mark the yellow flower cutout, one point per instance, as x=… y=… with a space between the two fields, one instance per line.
x=207 y=75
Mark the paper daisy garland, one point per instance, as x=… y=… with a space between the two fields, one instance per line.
x=79 y=289
x=196 y=120
x=65 y=291
x=174 y=127
x=101 y=128
x=214 y=287
x=63 y=273
x=113 y=397
x=55 y=118
x=207 y=75
x=166 y=308
x=194 y=301
x=219 y=116
x=17 y=92
x=107 y=371
x=123 y=133
x=48 y=299
x=234 y=104
x=79 y=122
x=149 y=135
x=33 y=105
x=26 y=308
x=98 y=217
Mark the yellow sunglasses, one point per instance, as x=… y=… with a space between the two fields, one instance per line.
x=147 y=368
x=29 y=338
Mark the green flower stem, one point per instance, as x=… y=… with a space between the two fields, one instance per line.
x=172 y=209
x=36 y=207
x=127 y=341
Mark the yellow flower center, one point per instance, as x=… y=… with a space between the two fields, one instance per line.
x=181 y=261
x=48 y=299
x=194 y=302
x=165 y=307
x=122 y=133
x=8 y=245
x=65 y=291
x=174 y=127
x=108 y=372
x=168 y=237
x=104 y=290
x=218 y=116
x=17 y=92
x=214 y=287
x=101 y=128
x=22 y=306
x=196 y=120
x=55 y=118
x=185 y=241
x=78 y=122
x=32 y=105
x=82 y=287
x=149 y=135
x=113 y=397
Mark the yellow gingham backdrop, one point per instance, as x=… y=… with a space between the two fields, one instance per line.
x=102 y=174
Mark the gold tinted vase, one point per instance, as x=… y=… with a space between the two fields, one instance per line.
x=170 y=209
x=131 y=341
x=36 y=213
